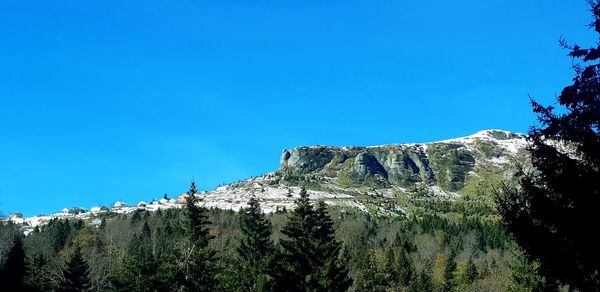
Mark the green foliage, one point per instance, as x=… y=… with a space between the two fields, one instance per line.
x=14 y=269
x=310 y=258
x=76 y=275
x=553 y=213
x=525 y=276
x=155 y=250
x=199 y=260
x=256 y=249
x=141 y=269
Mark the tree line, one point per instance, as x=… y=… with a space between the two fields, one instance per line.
x=312 y=248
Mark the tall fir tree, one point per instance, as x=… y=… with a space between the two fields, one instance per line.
x=256 y=249
x=333 y=275
x=553 y=213
x=14 y=271
x=76 y=274
x=297 y=248
x=143 y=268
x=310 y=251
x=422 y=283
x=200 y=266
x=405 y=268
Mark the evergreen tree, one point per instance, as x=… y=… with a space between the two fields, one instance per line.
x=449 y=271
x=525 y=277
x=553 y=213
x=199 y=261
x=405 y=269
x=422 y=283
x=76 y=275
x=256 y=248
x=143 y=268
x=39 y=273
x=333 y=275
x=310 y=251
x=14 y=270
x=61 y=231
x=465 y=273
x=297 y=247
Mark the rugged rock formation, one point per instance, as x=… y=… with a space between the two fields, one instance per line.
x=446 y=164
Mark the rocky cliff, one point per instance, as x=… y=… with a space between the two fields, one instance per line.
x=446 y=164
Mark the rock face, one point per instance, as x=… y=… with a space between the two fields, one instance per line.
x=446 y=164
x=366 y=168
x=306 y=159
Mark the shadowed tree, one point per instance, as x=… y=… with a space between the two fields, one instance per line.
x=310 y=251
x=14 y=270
x=256 y=249
x=76 y=276
x=553 y=214
x=199 y=261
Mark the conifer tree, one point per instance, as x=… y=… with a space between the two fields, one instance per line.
x=14 y=270
x=423 y=283
x=310 y=251
x=553 y=213
x=142 y=268
x=199 y=261
x=39 y=271
x=405 y=268
x=76 y=275
x=525 y=276
x=256 y=248
x=333 y=276
x=449 y=270
x=297 y=247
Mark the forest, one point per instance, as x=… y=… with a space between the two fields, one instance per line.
x=538 y=233
x=312 y=248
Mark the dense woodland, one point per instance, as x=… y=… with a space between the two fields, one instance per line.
x=313 y=247
x=541 y=237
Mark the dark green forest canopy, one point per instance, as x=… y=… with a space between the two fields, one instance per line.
x=442 y=249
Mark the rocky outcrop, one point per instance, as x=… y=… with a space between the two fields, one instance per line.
x=404 y=165
x=446 y=164
x=366 y=169
x=451 y=163
x=305 y=160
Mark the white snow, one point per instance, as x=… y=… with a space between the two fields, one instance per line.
x=274 y=196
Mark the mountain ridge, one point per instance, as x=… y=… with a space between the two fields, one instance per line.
x=355 y=176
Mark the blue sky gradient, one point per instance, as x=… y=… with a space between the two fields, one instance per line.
x=106 y=100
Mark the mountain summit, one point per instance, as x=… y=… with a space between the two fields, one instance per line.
x=344 y=175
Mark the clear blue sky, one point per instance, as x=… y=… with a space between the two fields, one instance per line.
x=127 y=100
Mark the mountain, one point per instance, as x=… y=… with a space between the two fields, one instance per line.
x=461 y=167
x=386 y=179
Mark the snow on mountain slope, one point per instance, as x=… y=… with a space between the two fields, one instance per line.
x=348 y=176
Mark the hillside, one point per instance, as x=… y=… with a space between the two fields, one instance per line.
x=385 y=179
x=449 y=169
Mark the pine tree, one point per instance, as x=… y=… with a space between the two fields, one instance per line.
x=310 y=251
x=143 y=268
x=14 y=270
x=525 y=277
x=333 y=276
x=40 y=270
x=297 y=247
x=199 y=261
x=76 y=275
x=449 y=270
x=553 y=214
x=465 y=273
x=405 y=268
x=423 y=283
x=256 y=248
